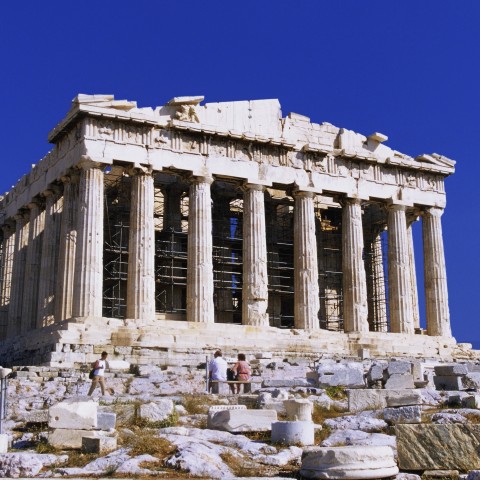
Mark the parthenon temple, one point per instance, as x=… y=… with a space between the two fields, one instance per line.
x=144 y=229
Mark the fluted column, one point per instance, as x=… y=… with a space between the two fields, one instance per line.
x=399 y=276
x=6 y=275
x=67 y=248
x=355 y=310
x=200 y=265
x=305 y=262
x=88 y=277
x=436 y=293
x=255 y=278
x=413 y=273
x=141 y=246
x=32 y=267
x=18 y=273
x=49 y=258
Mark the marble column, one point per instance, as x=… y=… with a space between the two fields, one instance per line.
x=18 y=273
x=399 y=276
x=436 y=293
x=88 y=277
x=200 y=265
x=6 y=275
x=49 y=258
x=413 y=273
x=32 y=266
x=255 y=278
x=355 y=310
x=305 y=262
x=67 y=248
x=141 y=248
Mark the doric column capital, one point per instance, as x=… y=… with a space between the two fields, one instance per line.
x=197 y=179
x=86 y=163
x=396 y=207
x=8 y=226
x=22 y=215
x=252 y=186
x=296 y=192
x=413 y=216
x=71 y=177
x=52 y=190
x=433 y=211
x=350 y=201
x=139 y=170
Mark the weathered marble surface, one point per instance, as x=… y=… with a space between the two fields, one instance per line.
x=438 y=447
x=348 y=462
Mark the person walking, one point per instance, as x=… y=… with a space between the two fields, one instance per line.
x=242 y=371
x=217 y=371
x=99 y=374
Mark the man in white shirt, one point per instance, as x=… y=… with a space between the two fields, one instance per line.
x=99 y=374
x=217 y=371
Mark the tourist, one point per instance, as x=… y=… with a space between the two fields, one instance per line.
x=217 y=371
x=99 y=374
x=242 y=371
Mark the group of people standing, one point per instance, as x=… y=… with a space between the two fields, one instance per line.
x=219 y=371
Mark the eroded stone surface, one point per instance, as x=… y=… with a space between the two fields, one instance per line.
x=422 y=447
x=349 y=462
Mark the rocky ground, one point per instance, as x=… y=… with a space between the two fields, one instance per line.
x=162 y=419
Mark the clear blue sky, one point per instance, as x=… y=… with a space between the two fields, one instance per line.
x=409 y=69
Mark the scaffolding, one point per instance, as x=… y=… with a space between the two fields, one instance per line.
x=171 y=205
x=375 y=257
x=115 y=251
x=279 y=226
x=227 y=241
x=171 y=243
x=330 y=273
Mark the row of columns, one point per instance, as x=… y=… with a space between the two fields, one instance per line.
x=78 y=290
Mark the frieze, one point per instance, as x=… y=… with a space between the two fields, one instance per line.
x=249 y=149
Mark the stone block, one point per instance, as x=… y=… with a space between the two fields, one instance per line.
x=450 y=446
x=398 y=381
x=408 y=414
x=375 y=373
x=293 y=433
x=451 y=370
x=156 y=411
x=106 y=420
x=101 y=445
x=352 y=462
x=235 y=421
x=70 y=438
x=471 y=381
x=3 y=443
x=399 y=367
x=219 y=408
x=349 y=375
x=119 y=365
x=471 y=401
x=448 y=382
x=266 y=355
x=73 y=413
x=403 y=398
x=299 y=409
x=37 y=416
x=250 y=401
x=278 y=382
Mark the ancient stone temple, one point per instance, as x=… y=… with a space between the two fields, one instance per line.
x=162 y=233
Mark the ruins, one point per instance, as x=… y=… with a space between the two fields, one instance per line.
x=144 y=229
